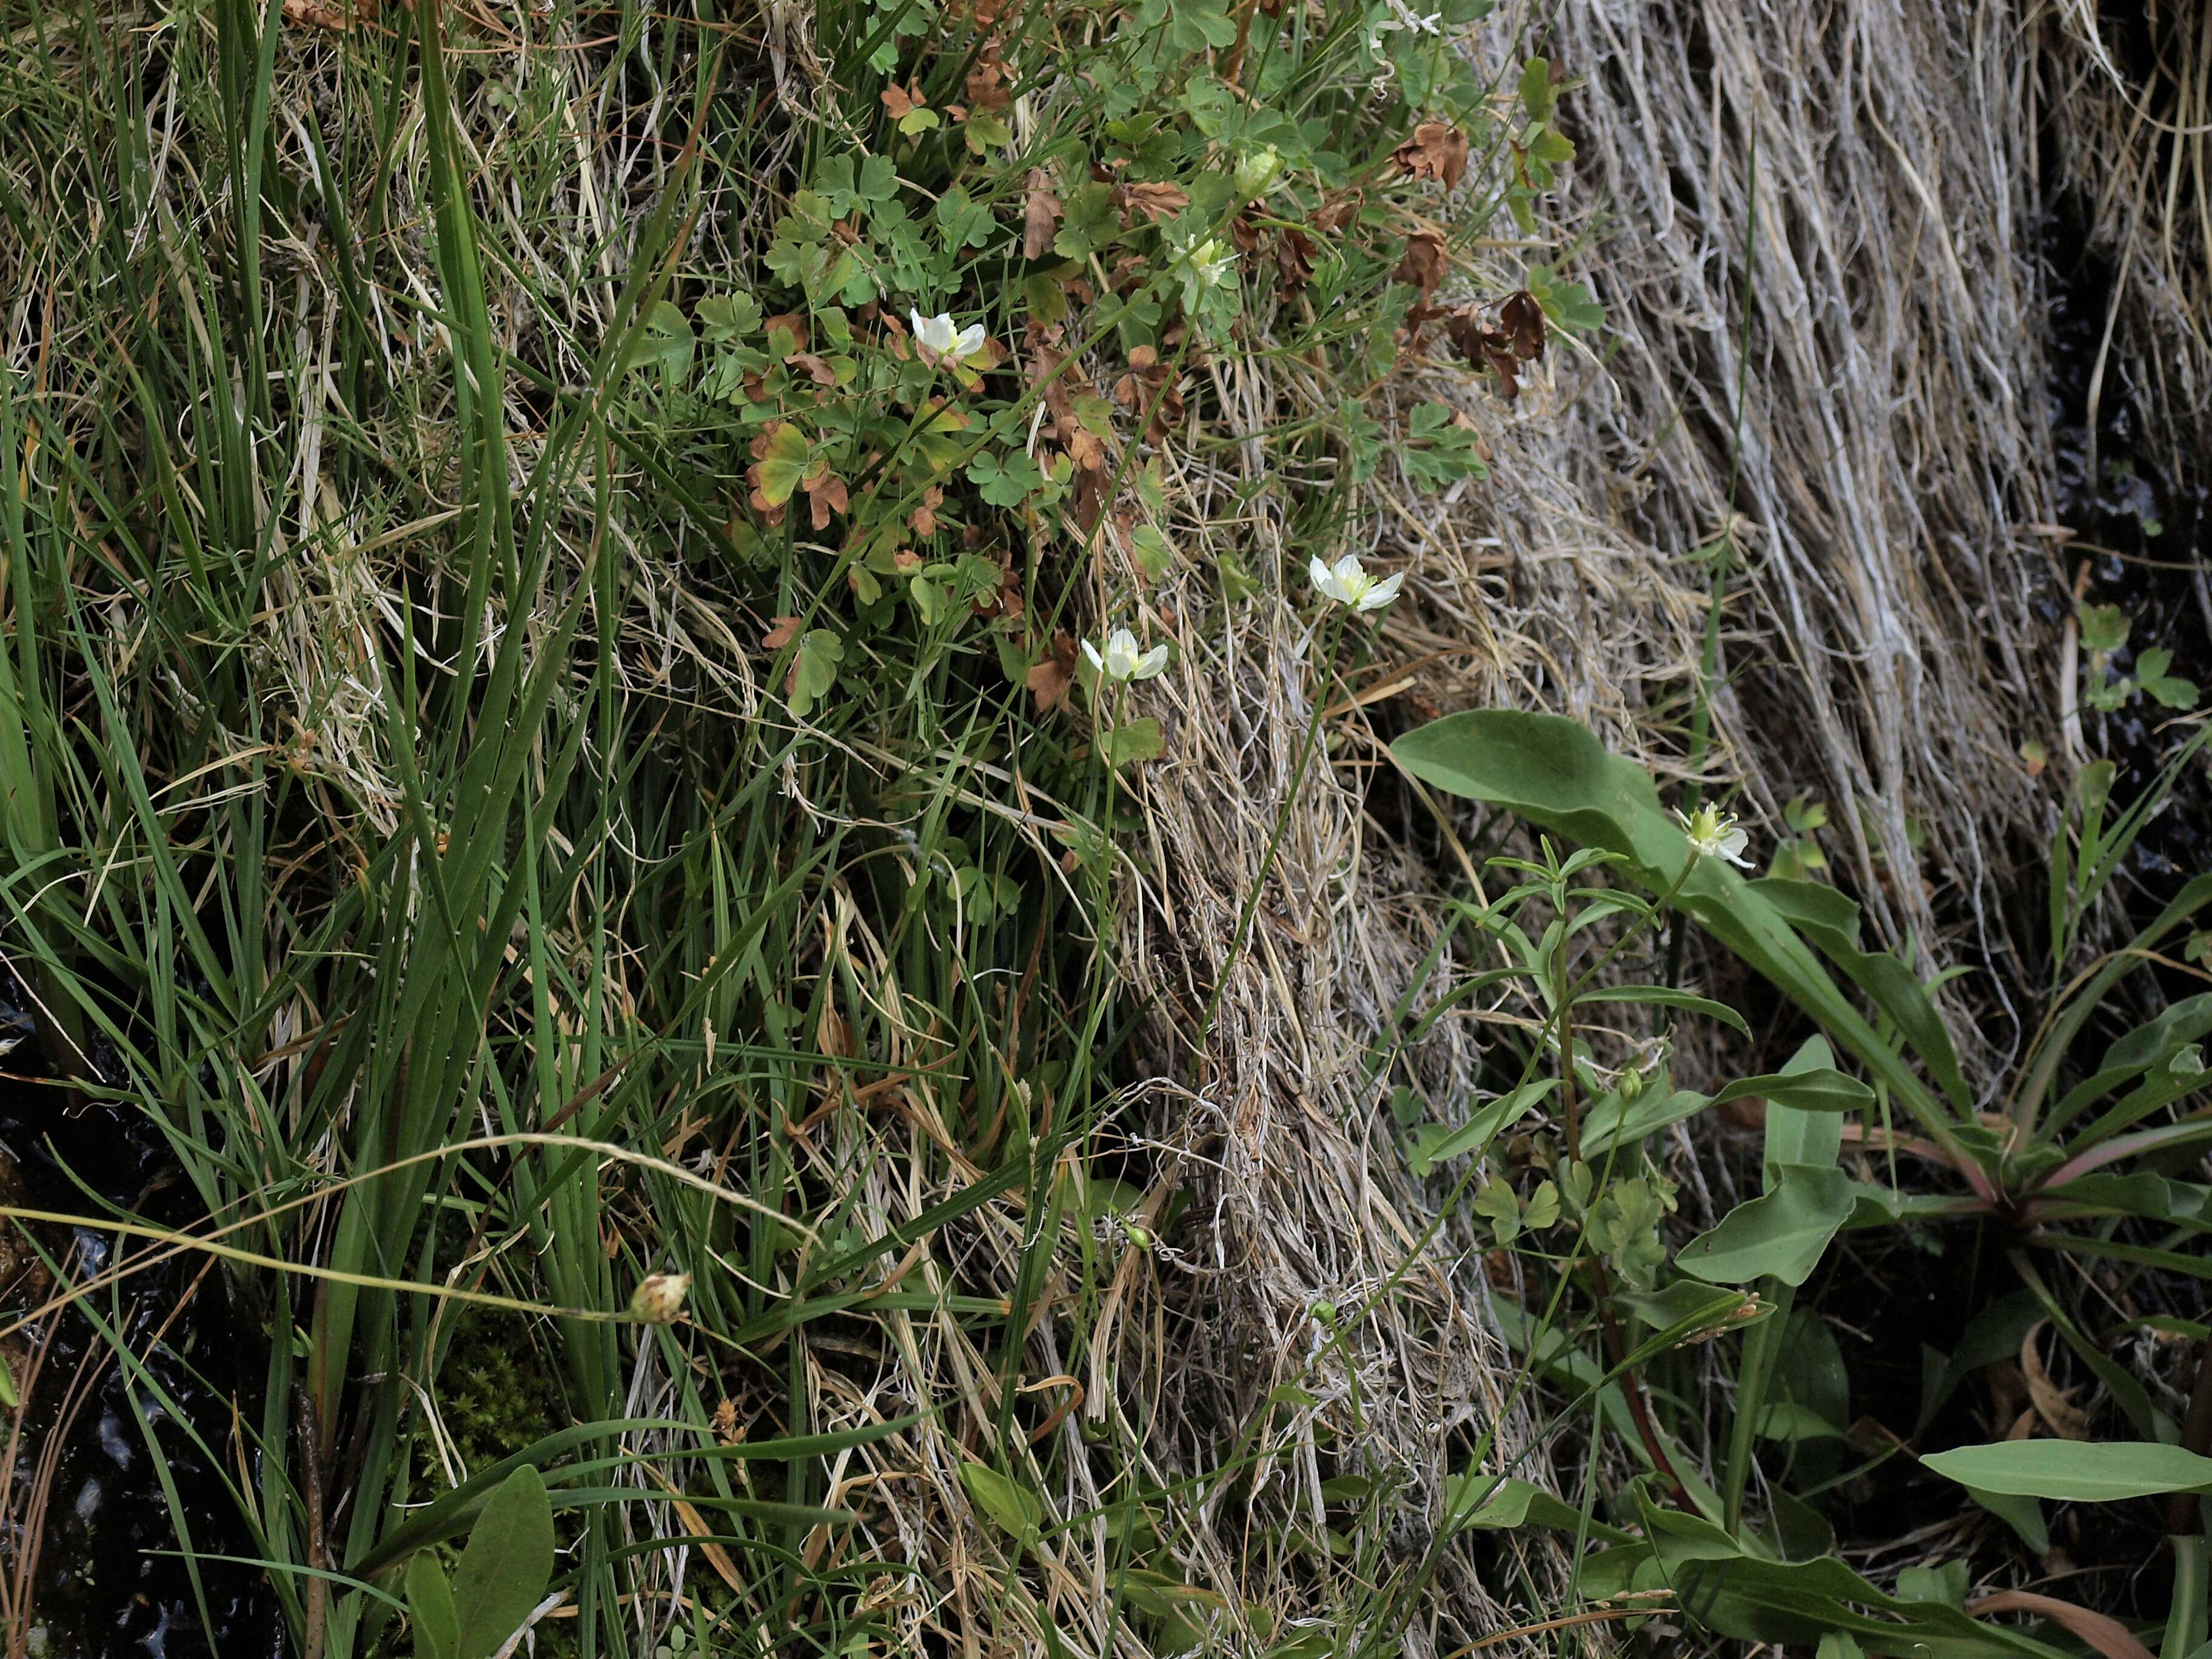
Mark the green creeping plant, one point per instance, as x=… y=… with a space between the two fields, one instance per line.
x=2088 y=1140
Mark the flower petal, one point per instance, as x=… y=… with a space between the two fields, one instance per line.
x=1383 y=593
x=1151 y=663
x=1325 y=579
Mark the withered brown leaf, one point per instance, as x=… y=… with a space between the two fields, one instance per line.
x=1049 y=679
x=1436 y=150
x=1155 y=199
x=1041 y=212
x=1426 y=262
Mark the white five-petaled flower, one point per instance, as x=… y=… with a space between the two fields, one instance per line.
x=1713 y=834
x=942 y=340
x=1121 y=661
x=1211 y=263
x=1347 y=582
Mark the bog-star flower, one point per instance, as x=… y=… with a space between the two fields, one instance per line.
x=1211 y=264
x=1712 y=835
x=942 y=340
x=1121 y=661
x=1347 y=582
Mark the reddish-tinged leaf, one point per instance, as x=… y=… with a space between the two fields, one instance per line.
x=781 y=632
x=901 y=103
x=2100 y=1630
x=816 y=370
x=923 y=520
x=780 y=461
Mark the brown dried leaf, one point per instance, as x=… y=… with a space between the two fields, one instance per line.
x=1334 y=215
x=1041 y=212
x=311 y=15
x=987 y=83
x=781 y=633
x=696 y=1524
x=1155 y=198
x=1049 y=680
x=816 y=370
x=1521 y=322
x=1436 y=150
x=826 y=494
x=923 y=520
x=1426 y=264
x=2053 y=1404
x=899 y=102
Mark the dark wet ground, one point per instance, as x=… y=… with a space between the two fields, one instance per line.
x=111 y=1581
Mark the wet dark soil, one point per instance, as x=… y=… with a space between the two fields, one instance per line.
x=110 y=1580
x=2142 y=518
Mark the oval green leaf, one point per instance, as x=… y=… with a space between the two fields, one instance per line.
x=507 y=1564
x=430 y=1609
x=2071 y=1471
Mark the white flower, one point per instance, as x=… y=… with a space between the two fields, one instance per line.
x=1402 y=16
x=941 y=340
x=1348 y=583
x=1712 y=835
x=1122 y=660
x=1211 y=264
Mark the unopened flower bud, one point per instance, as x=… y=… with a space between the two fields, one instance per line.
x=659 y=1297
x=1255 y=171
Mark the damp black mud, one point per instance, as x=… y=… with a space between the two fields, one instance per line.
x=123 y=1492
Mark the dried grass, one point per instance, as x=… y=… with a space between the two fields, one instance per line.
x=1893 y=471
x=1889 y=480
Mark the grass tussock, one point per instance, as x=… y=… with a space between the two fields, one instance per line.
x=546 y=741
x=545 y=747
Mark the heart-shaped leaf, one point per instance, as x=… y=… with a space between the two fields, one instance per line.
x=784 y=454
x=1553 y=773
